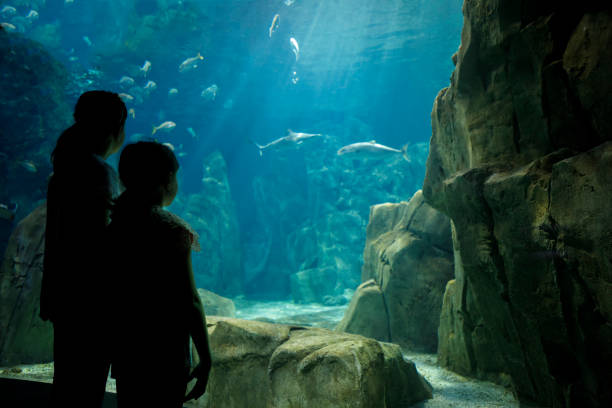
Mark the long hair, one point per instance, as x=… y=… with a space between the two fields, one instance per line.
x=98 y=117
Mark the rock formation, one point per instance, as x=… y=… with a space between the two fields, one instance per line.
x=259 y=364
x=407 y=263
x=215 y=305
x=24 y=337
x=212 y=213
x=520 y=160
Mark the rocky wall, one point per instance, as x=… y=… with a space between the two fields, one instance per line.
x=520 y=160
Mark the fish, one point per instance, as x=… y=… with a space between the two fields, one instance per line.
x=289 y=2
x=126 y=97
x=146 y=67
x=172 y=91
x=210 y=93
x=32 y=15
x=182 y=154
x=169 y=146
x=7 y=213
x=371 y=150
x=29 y=165
x=190 y=63
x=291 y=140
x=132 y=113
x=150 y=86
x=8 y=11
x=166 y=127
x=8 y=27
x=68 y=1
x=126 y=81
x=192 y=132
x=274 y=25
x=136 y=137
x=87 y=40
x=295 y=47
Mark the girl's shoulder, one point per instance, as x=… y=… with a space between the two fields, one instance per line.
x=177 y=230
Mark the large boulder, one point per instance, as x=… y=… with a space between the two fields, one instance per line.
x=407 y=263
x=215 y=305
x=24 y=337
x=259 y=364
x=212 y=213
x=520 y=161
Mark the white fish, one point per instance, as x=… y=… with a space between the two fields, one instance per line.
x=136 y=137
x=126 y=81
x=126 y=97
x=8 y=11
x=190 y=63
x=291 y=140
x=192 y=132
x=274 y=25
x=166 y=127
x=32 y=15
x=29 y=166
x=210 y=93
x=7 y=213
x=150 y=86
x=87 y=40
x=172 y=91
x=169 y=146
x=146 y=67
x=295 y=47
x=8 y=27
x=372 y=150
x=289 y=2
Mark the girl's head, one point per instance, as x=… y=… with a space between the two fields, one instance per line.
x=148 y=172
x=99 y=118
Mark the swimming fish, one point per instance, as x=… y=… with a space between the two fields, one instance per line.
x=289 y=2
x=126 y=81
x=295 y=47
x=190 y=63
x=7 y=213
x=126 y=97
x=166 y=127
x=8 y=11
x=8 y=27
x=32 y=15
x=291 y=140
x=132 y=113
x=169 y=145
x=192 y=132
x=29 y=166
x=372 y=150
x=146 y=67
x=210 y=93
x=87 y=40
x=274 y=25
x=172 y=91
x=150 y=86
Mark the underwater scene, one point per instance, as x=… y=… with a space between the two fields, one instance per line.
x=391 y=203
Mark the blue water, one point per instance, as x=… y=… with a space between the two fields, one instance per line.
x=366 y=70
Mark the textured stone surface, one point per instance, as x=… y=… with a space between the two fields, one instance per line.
x=24 y=337
x=258 y=364
x=519 y=162
x=215 y=305
x=212 y=213
x=408 y=255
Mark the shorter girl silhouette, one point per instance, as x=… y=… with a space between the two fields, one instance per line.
x=156 y=305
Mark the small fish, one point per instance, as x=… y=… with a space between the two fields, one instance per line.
x=146 y=67
x=291 y=140
x=8 y=27
x=136 y=137
x=190 y=63
x=210 y=93
x=150 y=86
x=132 y=113
x=182 y=154
x=274 y=25
x=87 y=40
x=68 y=1
x=126 y=97
x=126 y=81
x=166 y=126
x=8 y=11
x=73 y=59
x=173 y=91
x=32 y=15
x=192 y=132
x=372 y=150
x=7 y=213
x=289 y=2
x=29 y=166
x=295 y=47
x=169 y=145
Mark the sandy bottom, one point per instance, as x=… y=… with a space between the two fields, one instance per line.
x=449 y=389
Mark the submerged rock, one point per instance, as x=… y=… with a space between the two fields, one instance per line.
x=24 y=337
x=407 y=263
x=215 y=305
x=520 y=160
x=258 y=364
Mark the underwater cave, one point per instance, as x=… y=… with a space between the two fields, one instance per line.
x=397 y=203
